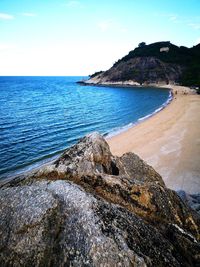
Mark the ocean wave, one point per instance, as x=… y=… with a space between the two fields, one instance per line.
x=122 y=129
x=32 y=132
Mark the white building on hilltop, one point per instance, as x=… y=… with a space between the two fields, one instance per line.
x=164 y=49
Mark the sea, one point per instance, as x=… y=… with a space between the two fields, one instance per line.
x=41 y=116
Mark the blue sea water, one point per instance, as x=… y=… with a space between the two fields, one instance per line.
x=41 y=116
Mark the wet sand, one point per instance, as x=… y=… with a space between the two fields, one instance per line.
x=169 y=141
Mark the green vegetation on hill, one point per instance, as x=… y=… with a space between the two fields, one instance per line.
x=187 y=58
x=95 y=74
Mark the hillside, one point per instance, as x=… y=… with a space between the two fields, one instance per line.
x=160 y=62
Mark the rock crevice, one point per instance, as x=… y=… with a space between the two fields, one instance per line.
x=90 y=208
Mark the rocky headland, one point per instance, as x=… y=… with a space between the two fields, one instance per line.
x=157 y=63
x=90 y=208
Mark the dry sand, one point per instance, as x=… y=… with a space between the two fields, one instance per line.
x=169 y=141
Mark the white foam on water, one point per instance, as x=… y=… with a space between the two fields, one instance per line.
x=119 y=130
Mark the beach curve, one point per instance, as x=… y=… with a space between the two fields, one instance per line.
x=169 y=141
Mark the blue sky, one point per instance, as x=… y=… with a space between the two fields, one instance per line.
x=79 y=37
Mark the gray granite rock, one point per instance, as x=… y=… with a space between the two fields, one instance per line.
x=193 y=200
x=90 y=208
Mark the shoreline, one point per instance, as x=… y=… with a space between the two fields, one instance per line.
x=125 y=128
x=31 y=169
x=121 y=142
x=168 y=140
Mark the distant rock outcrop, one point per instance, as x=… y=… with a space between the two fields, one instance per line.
x=89 y=208
x=141 y=70
x=160 y=62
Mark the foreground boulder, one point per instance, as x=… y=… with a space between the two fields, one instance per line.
x=89 y=208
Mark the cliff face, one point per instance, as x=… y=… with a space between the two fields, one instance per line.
x=160 y=62
x=89 y=208
x=141 y=70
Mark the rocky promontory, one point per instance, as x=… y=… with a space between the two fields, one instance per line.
x=156 y=63
x=90 y=208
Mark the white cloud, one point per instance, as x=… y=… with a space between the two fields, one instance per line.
x=197 y=41
x=5 y=16
x=173 y=18
x=68 y=58
x=6 y=46
x=27 y=14
x=109 y=24
x=193 y=22
x=74 y=3
x=195 y=26
x=166 y=15
x=105 y=25
x=124 y=29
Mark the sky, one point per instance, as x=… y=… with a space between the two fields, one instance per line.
x=80 y=37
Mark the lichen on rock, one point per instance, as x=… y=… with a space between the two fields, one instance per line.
x=90 y=208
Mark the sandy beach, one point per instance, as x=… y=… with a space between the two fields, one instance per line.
x=169 y=141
